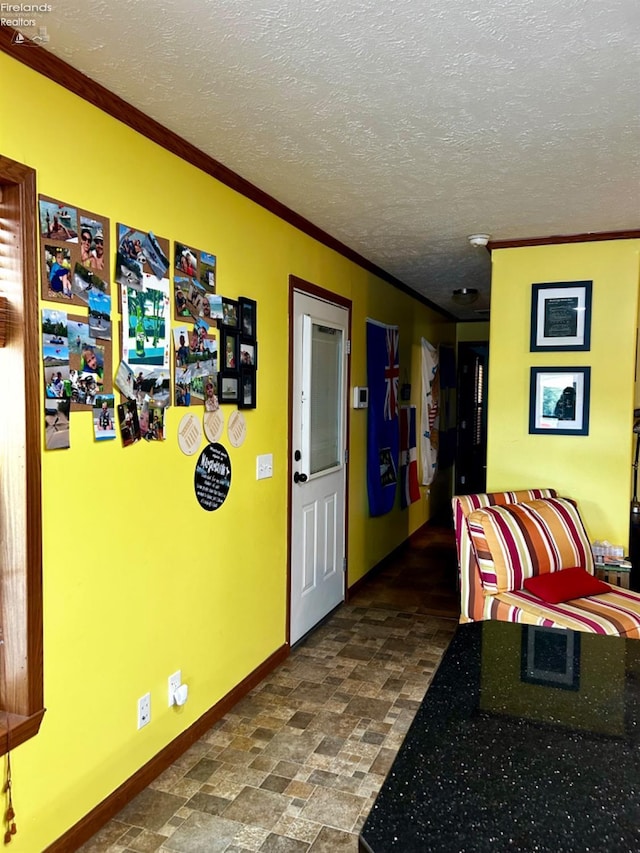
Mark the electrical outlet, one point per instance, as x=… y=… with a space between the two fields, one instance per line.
x=175 y=681
x=144 y=710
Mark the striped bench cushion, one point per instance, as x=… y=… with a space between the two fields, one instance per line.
x=518 y=541
x=616 y=613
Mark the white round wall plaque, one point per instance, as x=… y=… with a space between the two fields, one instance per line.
x=237 y=429
x=189 y=435
x=213 y=425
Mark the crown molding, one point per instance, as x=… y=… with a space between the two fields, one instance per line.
x=60 y=72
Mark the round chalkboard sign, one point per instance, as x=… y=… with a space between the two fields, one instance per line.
x=212 y=477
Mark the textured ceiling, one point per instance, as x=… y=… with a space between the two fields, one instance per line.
x=397 y=126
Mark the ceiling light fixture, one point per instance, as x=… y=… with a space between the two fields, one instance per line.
x=465 y=295
x=479 y=241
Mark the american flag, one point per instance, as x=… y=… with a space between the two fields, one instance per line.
x=391 y=375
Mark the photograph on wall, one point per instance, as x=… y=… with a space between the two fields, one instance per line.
x=79 y=334
x=140 y=252
x=183 y=388
x=152 y=385
x=128 y=423
x=57 y=272
x=151 y=418
x=248 y=354
x=180 y=293
x=203 y=390
x=55 y=354
x=57 y=378
x=100 y=314
x=124 y=380
x=186 y=260
x=56 y=424
x=248 y=310
x=181 y=346
x=74 y=249
x=197 y=299
x=194 y=283
x=203 y=350
x=229 y=312
x=85 y=387
x=228 y=384
x=208 y=269
x=92 y=243
x=92 y=361
x=85 y=283
x=55 y=328
x=145 y=324
x=201 y=328
x=214 y=310
x=58 y=221
x=561 y=316
x=559 y=400
x=247 y=395
x=230 y=342
x=104 y=417
x=211 y=402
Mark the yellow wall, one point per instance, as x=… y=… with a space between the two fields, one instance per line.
x=472 y=332
x=593 y=469
x=138 y=580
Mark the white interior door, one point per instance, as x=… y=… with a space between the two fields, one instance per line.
x=318 y=461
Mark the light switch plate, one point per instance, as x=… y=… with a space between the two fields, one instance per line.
x=264 y=466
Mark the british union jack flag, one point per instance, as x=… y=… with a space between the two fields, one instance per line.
x=391 y=374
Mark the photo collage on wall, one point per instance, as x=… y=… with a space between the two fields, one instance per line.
x=76 y=348
x=144 y=374
x=196 y=346
x=214 y=338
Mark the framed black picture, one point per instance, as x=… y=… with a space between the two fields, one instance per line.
x=229 y=349
x=561 y=316
x=550 y=657
x=228 y=386
x=248 y=313
x=247 y=390
x=248 y=353
x=559 y=400
x=229 y=313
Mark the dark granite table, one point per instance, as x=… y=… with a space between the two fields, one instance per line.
x=527 y=740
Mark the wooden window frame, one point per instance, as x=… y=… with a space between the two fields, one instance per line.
x=21 y=653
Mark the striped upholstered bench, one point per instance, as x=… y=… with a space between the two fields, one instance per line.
x=505 y=539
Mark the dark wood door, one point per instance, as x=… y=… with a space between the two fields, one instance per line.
x=471 y=453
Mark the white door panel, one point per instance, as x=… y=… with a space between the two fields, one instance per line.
x=318 y=467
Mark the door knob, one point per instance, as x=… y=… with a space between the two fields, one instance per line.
x=299 y=478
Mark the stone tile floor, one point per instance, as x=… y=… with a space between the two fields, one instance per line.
x=296 y=765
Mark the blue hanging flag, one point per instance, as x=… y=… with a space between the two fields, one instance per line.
x=383 y=372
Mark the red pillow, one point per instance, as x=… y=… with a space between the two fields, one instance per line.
x=555 y=587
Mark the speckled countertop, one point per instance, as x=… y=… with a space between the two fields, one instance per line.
x=527 y=740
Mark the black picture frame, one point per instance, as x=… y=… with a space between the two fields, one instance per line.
x=559 y=400
x=248 y=354
x=247 y=388
x=230 y=313
x=229 y=349
x=561 y=316
x=228 y=386
x=248 y=318
x=550 y=657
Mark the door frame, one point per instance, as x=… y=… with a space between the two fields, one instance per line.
x=314 y=290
